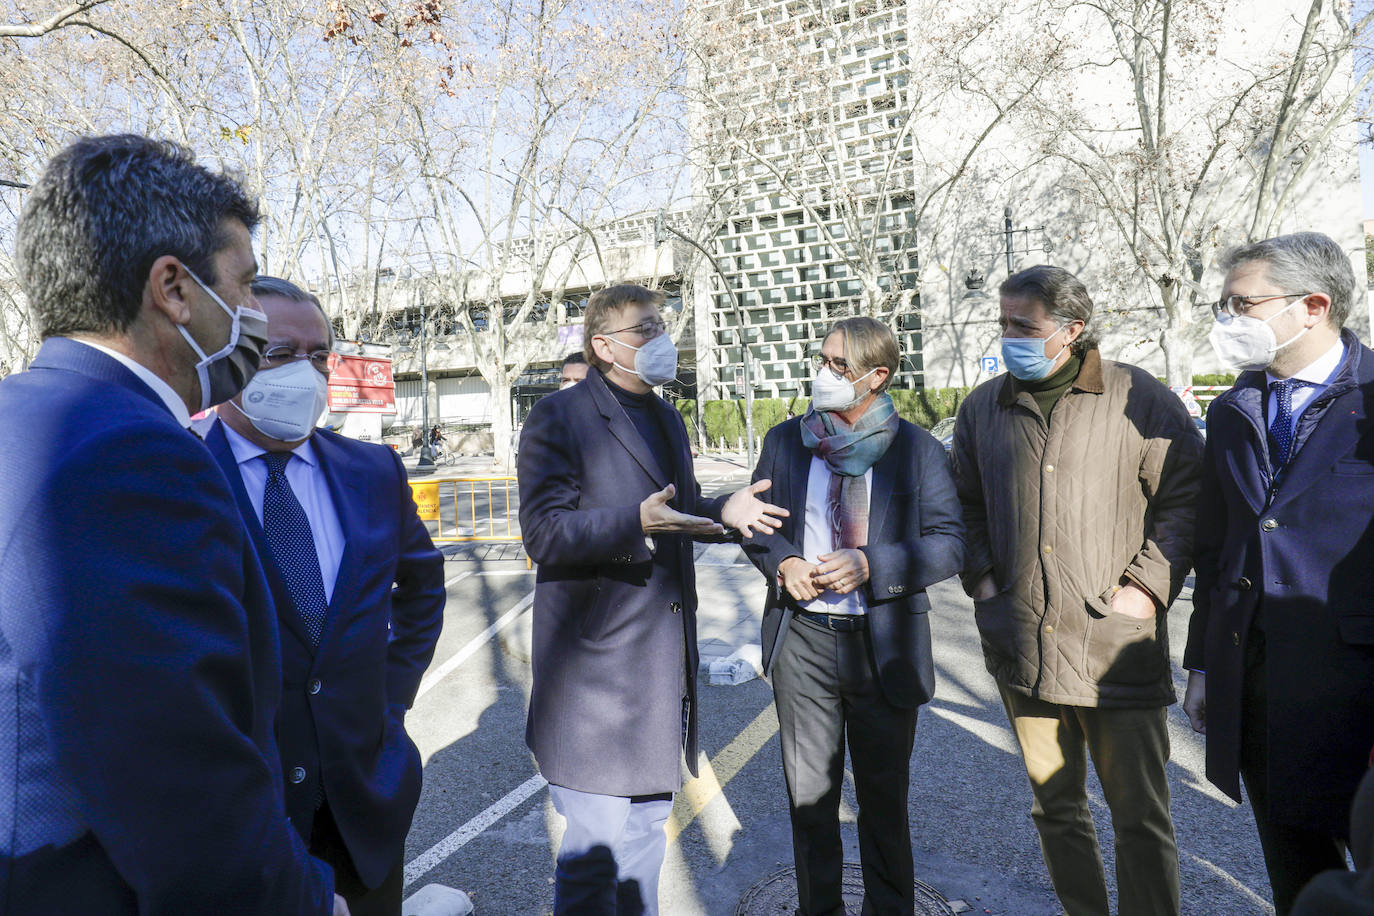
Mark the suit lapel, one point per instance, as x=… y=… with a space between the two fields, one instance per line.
x=799 y=470
x=623 y=429
x=218 y=443
x=1333 y=436
x=885 y=471
x=346 y=492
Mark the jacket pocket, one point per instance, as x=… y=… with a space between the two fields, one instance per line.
x=1120 y=649
x=593 y=620
x=1005 y=631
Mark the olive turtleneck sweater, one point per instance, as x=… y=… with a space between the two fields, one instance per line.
x=1048 y=390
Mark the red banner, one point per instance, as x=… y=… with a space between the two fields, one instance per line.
x=361 y=384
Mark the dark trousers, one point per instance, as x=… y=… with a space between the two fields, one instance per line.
x=826 y=690
x=1293 y=855
x=326 y=844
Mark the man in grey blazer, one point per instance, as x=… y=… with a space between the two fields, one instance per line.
x=609 y=505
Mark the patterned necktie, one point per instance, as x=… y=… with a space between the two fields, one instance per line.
x=1281 y=430
x=293 y=546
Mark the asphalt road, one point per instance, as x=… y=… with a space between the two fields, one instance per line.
x=485 y=824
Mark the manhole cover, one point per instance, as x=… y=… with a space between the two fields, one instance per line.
x=776 y=895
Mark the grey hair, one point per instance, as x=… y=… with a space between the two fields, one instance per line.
x=1063 y=295
x=106 y=208
x=1304 y=262
x=264 y=285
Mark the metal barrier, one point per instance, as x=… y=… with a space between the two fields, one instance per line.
x=496 y=517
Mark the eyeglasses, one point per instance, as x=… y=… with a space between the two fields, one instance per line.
x=1235 y=306
x=838 y=365
x=280 y=356
x=646 y=329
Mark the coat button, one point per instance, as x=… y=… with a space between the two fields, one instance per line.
x=1235 y=637
x=892 y=589
x=1049 y=549
x=675 y=607
x=1243 y=584
x=1269 y=524
x=298 y=776
x=315 y=686
x=1049 y=628
x=1049 y=469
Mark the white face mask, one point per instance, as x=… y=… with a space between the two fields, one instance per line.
x=833 y=392
x=225 y=372
x=1248 y=343
x=655 y=362
x=285 y=403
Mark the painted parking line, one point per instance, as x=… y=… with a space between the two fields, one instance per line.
x=697 y=793
x=456 y=579
x=438 y=674
x=459 y=838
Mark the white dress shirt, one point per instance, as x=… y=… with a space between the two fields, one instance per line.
x=818 y=539
x=1319 y=374
x=163 y=390
x=308 y=482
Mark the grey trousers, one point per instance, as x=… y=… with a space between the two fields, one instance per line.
x=611 y=854
x=826 y=691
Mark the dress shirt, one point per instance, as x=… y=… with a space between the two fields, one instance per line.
x=312 y=491
x=145 y=375
x=819 y=539
x=1318 y=375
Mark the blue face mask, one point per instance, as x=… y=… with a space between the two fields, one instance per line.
x=1025 y=356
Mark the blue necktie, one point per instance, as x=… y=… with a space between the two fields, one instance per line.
x=293 y=546
x=1281 y=430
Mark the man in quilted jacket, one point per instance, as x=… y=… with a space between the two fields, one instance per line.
x=1077 y=476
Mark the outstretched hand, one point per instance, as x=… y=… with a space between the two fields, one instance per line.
x=657 y=517
x=746 y=513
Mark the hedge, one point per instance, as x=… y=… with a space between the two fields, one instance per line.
x=725 y=419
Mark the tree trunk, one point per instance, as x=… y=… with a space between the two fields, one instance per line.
x=1178 y=354
x=502 y=425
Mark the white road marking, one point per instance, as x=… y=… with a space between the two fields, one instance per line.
x=456 y=579
x=438 y=674
x=459 y=838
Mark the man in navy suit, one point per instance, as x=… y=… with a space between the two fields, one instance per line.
x=360 y=601
x=875 y=521
x=1281 y=642
x=140 y=669
x=608 y=506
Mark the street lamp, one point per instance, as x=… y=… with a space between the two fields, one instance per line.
x=660 y=227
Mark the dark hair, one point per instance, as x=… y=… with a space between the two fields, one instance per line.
x=1063 y=295
x=1304 y=262
x=574 y=358
x=264 y=285
x=607 y=304
x=106 y=208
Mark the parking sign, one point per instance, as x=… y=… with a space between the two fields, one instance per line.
x=991 y=365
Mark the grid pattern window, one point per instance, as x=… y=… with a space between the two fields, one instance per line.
x=812 y=160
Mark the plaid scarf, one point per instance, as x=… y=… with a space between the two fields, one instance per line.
x=849 y=451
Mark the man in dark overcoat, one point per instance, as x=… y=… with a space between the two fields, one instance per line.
x=609 y=504
x=1281 y=642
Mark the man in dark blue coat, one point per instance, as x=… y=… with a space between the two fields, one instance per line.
x=360 y=600
x=140 y=669
x=1281 y=642
x=608 y=505
x=874 y=522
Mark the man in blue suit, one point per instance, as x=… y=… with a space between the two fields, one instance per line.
x=1281 y=642
x=360 y=599
x=140 y=669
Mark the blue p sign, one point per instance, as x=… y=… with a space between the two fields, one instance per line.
x=991 y=365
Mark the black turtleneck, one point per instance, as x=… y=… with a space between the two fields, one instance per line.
x=640 y=409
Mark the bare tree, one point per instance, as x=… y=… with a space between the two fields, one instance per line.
x=1213 y=145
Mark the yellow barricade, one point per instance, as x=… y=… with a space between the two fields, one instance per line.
x=469 y=508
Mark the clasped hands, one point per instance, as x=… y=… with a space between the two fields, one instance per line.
x=841 y=571
x=743 y=511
